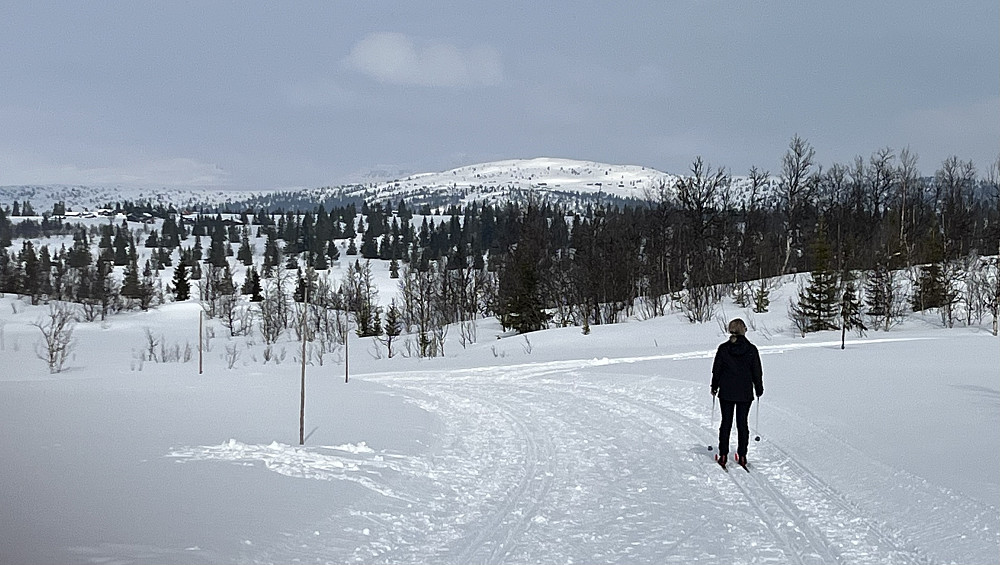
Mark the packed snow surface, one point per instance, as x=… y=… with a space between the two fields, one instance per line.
x=556 y=447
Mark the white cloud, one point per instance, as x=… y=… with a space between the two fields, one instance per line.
x=18 y=169
x=394 y=58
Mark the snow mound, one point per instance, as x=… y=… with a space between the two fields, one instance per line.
x=364 y=465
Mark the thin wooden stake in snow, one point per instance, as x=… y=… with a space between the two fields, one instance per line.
x=302 y=406
x=201 y=341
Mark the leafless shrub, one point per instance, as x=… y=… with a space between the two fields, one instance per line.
x=151 y=344
x=468 y=333
x=57 y=335
x=232 y=354
x=526 y=346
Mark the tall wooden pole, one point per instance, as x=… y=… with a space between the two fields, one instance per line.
x=302 y=405
x=201 y=340
x=347 y=357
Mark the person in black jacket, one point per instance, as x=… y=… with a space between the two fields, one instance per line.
x=736 y=377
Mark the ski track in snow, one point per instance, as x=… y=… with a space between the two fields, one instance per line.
x=569 y=462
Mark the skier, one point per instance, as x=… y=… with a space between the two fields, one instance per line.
x=736 y=377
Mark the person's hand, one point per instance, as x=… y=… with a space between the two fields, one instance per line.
x=715 y=390
x=760 y=392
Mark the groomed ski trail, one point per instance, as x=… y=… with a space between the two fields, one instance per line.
x=568 y=462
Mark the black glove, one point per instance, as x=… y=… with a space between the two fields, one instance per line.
x=715 y=390
x=760 y=392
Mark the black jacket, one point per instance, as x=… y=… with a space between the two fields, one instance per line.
x=736 y=373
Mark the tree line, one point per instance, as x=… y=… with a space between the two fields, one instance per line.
x=533 y=263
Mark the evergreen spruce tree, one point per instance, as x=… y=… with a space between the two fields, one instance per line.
x=44 y=272
x=521 y=305
x=320 y=260
x=217 y=247
x=819 y=302
x=105 y=289
x=252 y=286
x=225 y=285
x=8 y=274
x=196 y=251
x=147 y=287
x=385 y=250
x=369 y=246
x=6 y=230
x=931 y=289
x=393 y=326
x=272 y=253
x=850 y=309
x=79 y=255
x=305 y=280
x=131 y=284
x=180 y=283
x=30 y=272
x=121 y=243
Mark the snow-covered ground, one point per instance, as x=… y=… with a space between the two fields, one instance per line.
x=556 y=447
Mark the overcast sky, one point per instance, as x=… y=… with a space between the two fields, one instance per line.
x=262 y=95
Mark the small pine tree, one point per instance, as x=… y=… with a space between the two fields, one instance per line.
x=252 y=286
x=180 y=283
x=931 y=289
x=393 y=325
x=850 y=311
x=31 y=272
x=333 y=252
x=245 y=254
x=130 y=281
x=819 y=303
x=121 y=246
x=217 y=247
x=761 y=298
x=147 y=287
x=320 y=261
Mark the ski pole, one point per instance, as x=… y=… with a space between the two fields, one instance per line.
x=757 y=426
x=713 y=418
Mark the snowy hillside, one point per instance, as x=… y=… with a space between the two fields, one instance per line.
x=497 y=181
x=570 y=182
x=552 y=447
x=542 y=176
x=89 y=198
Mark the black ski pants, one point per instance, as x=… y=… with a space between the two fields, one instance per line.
x=742 y=410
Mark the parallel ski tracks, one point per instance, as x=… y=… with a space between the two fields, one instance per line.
x=497 y=534
x=796 y=519
x=807 y=520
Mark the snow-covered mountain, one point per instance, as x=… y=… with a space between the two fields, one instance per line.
x=549 y=178
x=572 y=183
x=87 y=198
x=542 y=176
